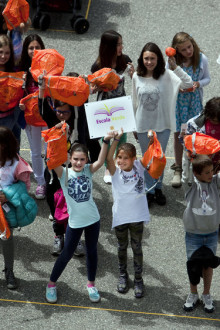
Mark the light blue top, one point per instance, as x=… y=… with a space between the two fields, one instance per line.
x=81 y=207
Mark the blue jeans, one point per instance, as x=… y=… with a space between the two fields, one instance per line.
x=195 y=241
x=163 y=138
x=71 y=240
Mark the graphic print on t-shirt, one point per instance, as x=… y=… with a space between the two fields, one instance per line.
x=79 y=188
x=205 y=209
x=150 y=96
x=132 y=178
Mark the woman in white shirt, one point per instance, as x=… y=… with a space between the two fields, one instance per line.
x=154 y=92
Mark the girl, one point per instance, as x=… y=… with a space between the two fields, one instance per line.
x=189 y=102
x=155 y=90
x=53 y=112
x=12 y=169
x=83 y=216
x=130 y=210
x=32 y=42
x=111 y=56
x=9 y=118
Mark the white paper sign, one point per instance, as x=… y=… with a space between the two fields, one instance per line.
x=110 y=115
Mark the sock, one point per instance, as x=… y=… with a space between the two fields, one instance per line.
x=90 y=285
x=51 y=285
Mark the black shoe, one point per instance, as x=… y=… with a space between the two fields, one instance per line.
x=123 y=285
x=160 y=198
x=150 y=199
x=138 y=288
x=10 y=279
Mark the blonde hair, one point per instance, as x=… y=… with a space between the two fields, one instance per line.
x=180 y=38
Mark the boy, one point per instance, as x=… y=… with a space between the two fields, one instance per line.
x=201 y=222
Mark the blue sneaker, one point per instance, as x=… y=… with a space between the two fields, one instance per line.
x=94 y=295
x=51 y=294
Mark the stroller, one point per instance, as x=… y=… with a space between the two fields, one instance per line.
x=42 y=21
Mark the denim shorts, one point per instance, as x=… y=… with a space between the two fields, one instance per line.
x=195 y=241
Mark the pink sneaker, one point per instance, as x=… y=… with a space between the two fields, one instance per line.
x=40 y=192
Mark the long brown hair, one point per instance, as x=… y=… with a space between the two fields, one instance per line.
x=160 y=68
x=108 y=51
x=180 y=38
x=8 y=145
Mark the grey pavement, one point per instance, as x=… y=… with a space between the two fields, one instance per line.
x=165 y=275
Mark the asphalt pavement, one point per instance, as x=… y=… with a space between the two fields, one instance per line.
x=165 y=277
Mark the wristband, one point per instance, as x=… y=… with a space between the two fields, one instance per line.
x=106 y=142
x=116 y=139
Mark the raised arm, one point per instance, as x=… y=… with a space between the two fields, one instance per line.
x=186 y=80
x=110 y=157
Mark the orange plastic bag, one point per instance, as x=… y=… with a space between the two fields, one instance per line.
x=72 y=90
x=5 y=232
x=49 y=60
x=15 y=13
x=106 y=78
x=56 y=139
x=202 y=144
x=154 y=159
x=31 y=113
x=170 y=51
x=11 y=90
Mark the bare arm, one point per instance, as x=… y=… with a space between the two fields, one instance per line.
x=110 y=157
x=59 y=171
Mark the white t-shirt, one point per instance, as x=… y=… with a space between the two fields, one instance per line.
x=7 y=173
x=154 y=101
x=130 y=202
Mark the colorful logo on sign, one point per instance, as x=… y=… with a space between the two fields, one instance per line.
x=108 y=111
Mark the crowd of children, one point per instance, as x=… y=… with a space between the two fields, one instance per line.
x=165 y=96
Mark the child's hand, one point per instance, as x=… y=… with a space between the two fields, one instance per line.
x=59 y=125
x=22 y=107
x=2 y=198
x=150 y=137
x=172 y=63
x=109 y=136
x=41 y=81
x=118 y=135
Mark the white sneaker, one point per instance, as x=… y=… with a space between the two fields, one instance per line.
x=58 y=245
x=191 y=302
x=50 y=217
x=80 y=250
x=107 y=179
x=40 y=191
x=208 y=303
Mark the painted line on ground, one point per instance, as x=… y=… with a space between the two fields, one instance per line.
x=108 y=309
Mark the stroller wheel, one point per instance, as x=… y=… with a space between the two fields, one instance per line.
x=81 y=25
x=44 y=22
x=73 y=20
x=36 y=20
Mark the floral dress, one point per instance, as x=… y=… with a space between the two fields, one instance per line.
x=189 y=104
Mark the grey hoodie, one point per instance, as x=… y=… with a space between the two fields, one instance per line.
x=202 y=213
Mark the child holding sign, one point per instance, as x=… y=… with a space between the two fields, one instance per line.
x=130 y=210
x=83 y=216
